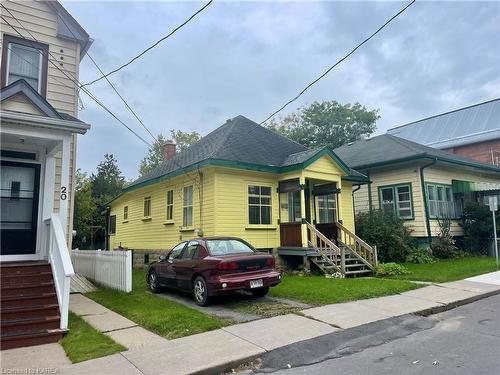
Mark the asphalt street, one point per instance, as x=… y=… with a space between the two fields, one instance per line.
x=464 y=340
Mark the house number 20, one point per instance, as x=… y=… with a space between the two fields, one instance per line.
x=64 y=193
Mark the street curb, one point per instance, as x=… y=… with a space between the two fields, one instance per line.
x=454 y=304
x=225 y=367
x=217 y=370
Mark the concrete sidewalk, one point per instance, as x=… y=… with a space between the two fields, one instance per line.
x=219 y=350
x=119 y=328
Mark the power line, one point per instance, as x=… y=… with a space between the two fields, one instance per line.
x=86 y=90
x=76 y=82
x=152 y=46
x=112 y=86
x=337 y=63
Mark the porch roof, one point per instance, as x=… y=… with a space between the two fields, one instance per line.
x=52 y=119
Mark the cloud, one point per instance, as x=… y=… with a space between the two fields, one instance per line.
x=251 y=57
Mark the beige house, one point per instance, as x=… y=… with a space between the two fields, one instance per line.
x=41 y=48
x=417 y=183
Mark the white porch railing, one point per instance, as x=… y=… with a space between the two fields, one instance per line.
x=60 y=261
x=112 y=269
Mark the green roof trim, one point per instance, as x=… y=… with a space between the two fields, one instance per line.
x=245 y=166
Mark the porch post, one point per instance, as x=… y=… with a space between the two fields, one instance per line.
x=65 y=189
x=47 y=201
x=303 y=227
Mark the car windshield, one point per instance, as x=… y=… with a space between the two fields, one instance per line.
x=227 y=247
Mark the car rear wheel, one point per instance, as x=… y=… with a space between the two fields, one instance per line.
x=154 y=283
x=260 y=292
x=200 y=291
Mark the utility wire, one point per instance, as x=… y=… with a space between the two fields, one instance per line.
x=112 y=86
x=87 y=91
x=76 y=82
x=337 y=63
x=152 y=46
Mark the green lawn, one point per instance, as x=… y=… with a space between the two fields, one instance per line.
x=83 y=342
x=320 y=290
x=449 y=270
x=166 y=318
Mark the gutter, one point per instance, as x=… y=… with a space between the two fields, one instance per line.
x=424 y=195
x=44 y=122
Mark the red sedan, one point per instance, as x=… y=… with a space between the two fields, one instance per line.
x=212 y=266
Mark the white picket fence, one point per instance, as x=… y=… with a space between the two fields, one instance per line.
x=112 y=269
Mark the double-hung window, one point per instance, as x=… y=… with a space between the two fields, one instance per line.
x=170 y=205
x=147 y=207
x=112 y=224
x=125 y=213
x=396 y=200
x=25 y=59
x=441 y=203
x=327 y=208
x=187 y=206
x=259 y=204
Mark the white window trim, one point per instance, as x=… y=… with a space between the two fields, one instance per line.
x=40 y=65
x=248 y=204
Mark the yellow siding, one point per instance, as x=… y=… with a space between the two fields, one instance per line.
x=231 y=208
x=347 y=207
x=224 y=194
x=325 y=169
x=156 y=233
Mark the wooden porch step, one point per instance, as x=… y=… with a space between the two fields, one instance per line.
x=29 y=311
x=29 y=325
x=27 y=289
x=26 y=277
x=29 y=300
x=358 y=272
x=13 y=268
x=11 y=341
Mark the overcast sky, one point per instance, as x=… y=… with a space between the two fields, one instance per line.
x=250 y=57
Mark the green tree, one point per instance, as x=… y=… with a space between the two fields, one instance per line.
x=155 y=154
x=85 y=210
x=327 y=123
x=108 y=181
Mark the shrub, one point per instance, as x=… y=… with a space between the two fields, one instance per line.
x=390 y=235
x=391 y=269
x=420 y=256
x=478 y=227
x=443 y=246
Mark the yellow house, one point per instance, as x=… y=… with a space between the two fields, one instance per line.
x=419 y=184
x=246 y=181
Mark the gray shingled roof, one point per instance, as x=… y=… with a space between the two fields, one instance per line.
x=238 y=140
x=386 y=149
x=477 y=123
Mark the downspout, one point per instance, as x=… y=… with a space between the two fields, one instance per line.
x=370 y=206
x=424 y=195
x=353 y=206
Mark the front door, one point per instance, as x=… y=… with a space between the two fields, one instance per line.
x=20 y=183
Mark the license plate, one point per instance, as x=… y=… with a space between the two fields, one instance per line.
x=256 y=283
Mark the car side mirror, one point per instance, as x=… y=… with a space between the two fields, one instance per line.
x=162 y=258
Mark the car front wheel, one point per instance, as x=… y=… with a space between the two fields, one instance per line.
x=154 y=283
x=260 y=292
x=200 y=291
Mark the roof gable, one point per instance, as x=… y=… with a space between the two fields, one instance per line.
x=21 y=87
